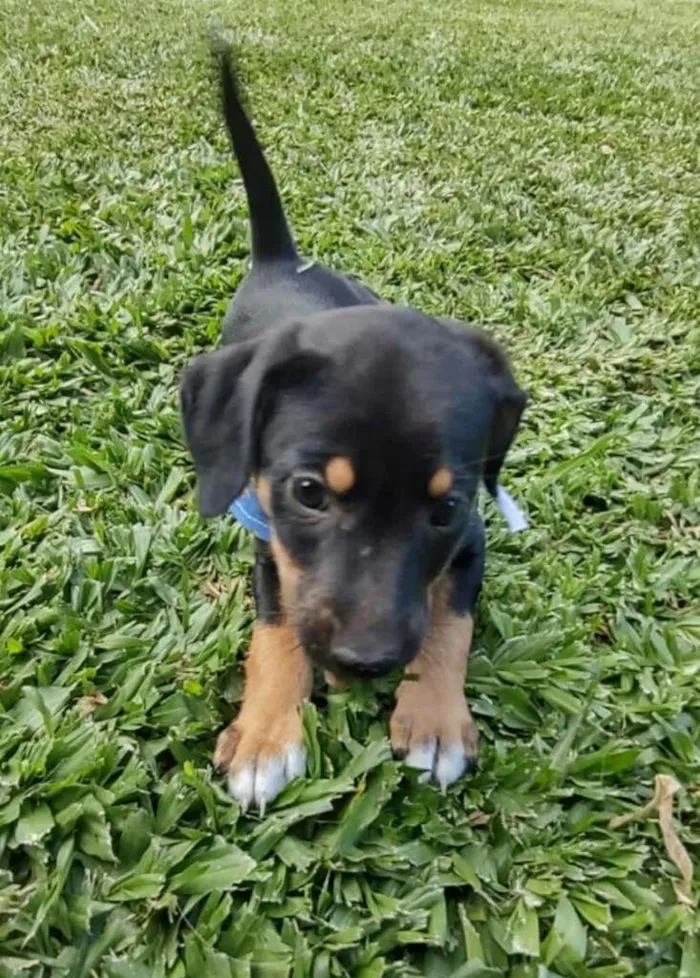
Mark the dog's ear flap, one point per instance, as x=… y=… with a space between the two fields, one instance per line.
x=225 y=398
x=510 y=404
x=212 y=405
x=509 y=398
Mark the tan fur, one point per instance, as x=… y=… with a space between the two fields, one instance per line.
x=333 y=681
x=288 y=571
x=430 y=702
x=340 y=474
x=264 y=494
x=278 y=680
x=440 y=483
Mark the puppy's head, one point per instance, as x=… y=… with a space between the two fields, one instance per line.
x=367 y=431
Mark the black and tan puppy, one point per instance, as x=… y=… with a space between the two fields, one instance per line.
x=365 y=430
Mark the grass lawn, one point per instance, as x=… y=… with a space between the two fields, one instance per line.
x=532 y=166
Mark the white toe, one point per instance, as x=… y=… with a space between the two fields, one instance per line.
x=295 y=761
x=260 y=784
x=445 y=764
x=242 y=786
x=451 y=764
x=270 y=778
x=423 y=758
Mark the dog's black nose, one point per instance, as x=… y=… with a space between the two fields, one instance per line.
x=375 y=660
x=350 y=661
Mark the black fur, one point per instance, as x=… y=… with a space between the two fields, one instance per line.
x=266 y=585
x=270 y=234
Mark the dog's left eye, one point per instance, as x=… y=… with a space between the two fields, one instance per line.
x=444 y=512
x=310 y=492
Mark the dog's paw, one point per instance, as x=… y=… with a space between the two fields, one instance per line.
x=260 y=757
x=435 y=734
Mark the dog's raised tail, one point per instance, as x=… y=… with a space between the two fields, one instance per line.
x=271 y=238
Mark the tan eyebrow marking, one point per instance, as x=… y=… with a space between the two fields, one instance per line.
x=340 y=474
x=440 y=483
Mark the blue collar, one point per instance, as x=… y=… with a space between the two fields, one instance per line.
x=250 y=514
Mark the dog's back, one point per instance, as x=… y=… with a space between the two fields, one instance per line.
x=281 y=284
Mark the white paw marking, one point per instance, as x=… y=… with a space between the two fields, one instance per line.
x=258 y=783
x=422 y=758
x=444 y=763
x=451 y=765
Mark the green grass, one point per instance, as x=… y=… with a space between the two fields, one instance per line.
x=529 y=165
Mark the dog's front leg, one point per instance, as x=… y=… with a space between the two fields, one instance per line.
x=432 y=726
x=263 y=748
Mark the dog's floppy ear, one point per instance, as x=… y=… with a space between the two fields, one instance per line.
x=510 y=400
x=225 y=398
x=510 y=404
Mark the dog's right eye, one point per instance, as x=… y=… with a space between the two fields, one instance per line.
x=310 y=492
x=445 y=511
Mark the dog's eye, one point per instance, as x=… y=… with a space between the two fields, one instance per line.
x=310 y=492
x=444 y=512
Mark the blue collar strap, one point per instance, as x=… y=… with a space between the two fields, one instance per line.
x=249 y=513
x=512 y=513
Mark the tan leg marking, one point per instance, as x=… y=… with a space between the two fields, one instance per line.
x=431 y=724
x=263 y=748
